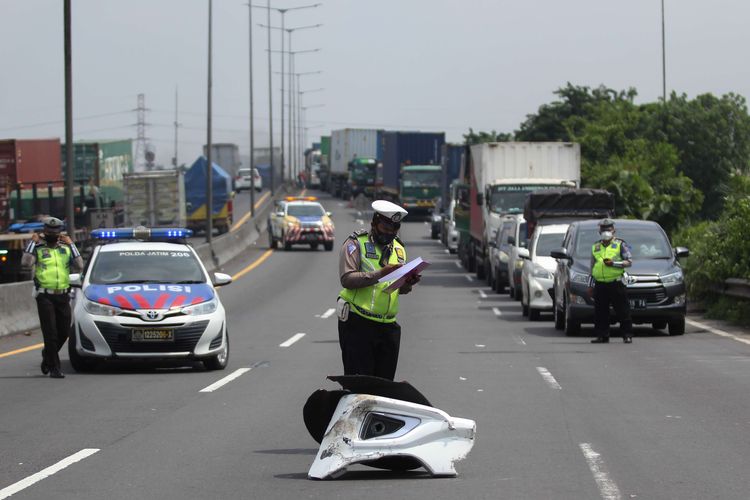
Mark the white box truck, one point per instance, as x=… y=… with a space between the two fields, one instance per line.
x=154 y=199
x=347 y=144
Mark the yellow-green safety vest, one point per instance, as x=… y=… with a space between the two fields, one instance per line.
x=600 y=272
x=372 y=302
x=52 y=269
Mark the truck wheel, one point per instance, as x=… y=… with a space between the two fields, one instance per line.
x=80 y=363
x=677 y=326
x=328 y=246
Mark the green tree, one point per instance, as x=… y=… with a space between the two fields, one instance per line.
x=482 y=137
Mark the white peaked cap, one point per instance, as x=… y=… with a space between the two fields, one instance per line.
x=389 y=210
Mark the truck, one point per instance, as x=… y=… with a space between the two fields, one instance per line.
x=451 y=158
x=101 y=164
x=417 y=156
x=500 y=176
x=196 y=200
x=347 y=144
x=325 y=155
x=227 y=156
x=362 y=172
x=154 y=199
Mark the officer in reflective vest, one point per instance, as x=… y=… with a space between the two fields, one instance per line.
x=53 y=256
x=369 y=335
x=609 y=258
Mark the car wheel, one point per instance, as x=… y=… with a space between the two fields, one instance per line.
x=524 y=307
x=572 y=327
x=80 y=363
x=287 y=245
x=559 y=317
x=677 y=326
x=659 y=325
x=435 y=234
x=219 y=361
x=271 y=239
x=533 y=314
x=480 y=271
x=314 y=246
x=328 y=246
x=511 y=292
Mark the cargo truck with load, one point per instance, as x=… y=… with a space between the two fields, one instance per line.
x=500 y=176
x=195 y=196
x=154 y=199
x=346 y=145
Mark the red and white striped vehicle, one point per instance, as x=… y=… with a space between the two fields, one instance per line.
x=300 y=221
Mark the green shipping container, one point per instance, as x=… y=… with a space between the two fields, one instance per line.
x=325 y=149
x=104 y=162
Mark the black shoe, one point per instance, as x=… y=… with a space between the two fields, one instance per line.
x=56 y=373
x=45 y=369
x=627 y=340
x=600 y=340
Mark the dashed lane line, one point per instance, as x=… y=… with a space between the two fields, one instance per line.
x=458 y=264
x=716 y=331
x=497 y=312
x=607 y=488
x=470 y=279
x=547 y=376
x=292 y=340
x=519 y=340
x=45 y=473
x=328 y=313
x=222 y=382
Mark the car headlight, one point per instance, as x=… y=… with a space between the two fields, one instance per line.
x=202 y=308
x=540 y=272
x=436 y=218
x=680 y=299
x=519 y=264
x=98 y=309
x=579 y=278
x=673 y=278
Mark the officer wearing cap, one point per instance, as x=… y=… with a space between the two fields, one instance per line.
x=369 y=335
x=52 y=255
x=609 y=258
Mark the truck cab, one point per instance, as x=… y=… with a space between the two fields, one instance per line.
x=362 y=172
x=419 y=187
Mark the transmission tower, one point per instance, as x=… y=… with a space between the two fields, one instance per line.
x=140 y=143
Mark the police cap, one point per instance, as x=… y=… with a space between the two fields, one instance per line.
x=606 y=223
x=389 y=210
x=53 y=225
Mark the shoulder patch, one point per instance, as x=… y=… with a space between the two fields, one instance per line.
x=351 y=247
x=597 y=247
x=400 y=254
x=356 y=234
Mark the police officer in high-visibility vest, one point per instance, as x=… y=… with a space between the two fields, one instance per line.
x=53 y=255
x=610 y=257
x=369 y=335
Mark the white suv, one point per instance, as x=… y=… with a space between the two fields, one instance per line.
x=537 y=276
x=243 y=180
x=145 y=294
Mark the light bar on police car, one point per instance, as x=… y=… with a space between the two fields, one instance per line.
x=142 y=233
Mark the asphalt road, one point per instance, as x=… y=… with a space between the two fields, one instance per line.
x=557 y=417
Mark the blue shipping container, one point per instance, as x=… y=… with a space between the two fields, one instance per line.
x=409 y=148
x=451 y=161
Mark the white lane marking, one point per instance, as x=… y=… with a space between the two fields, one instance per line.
x=469 y=278
x=224 y=381
x=547 y=376
x=519 y=340
x=292 y=340
x=328 y=313
x=45 y=473
x=359 y=222
x=447 y=251
x=607 y=488
x=458 y=264
x=480 y=345
x=482 y=294
x=716 y=331
x=497 y=312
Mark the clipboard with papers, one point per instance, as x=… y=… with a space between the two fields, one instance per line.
x=400 y=275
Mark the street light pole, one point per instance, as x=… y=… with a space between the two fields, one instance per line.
x=663 y=57
x=209 y=166
x=252 y=116
x=68 y=56
x=270 y=97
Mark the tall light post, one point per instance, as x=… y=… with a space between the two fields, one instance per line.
x=300 y=139
x=68 y=62
x=663 y=58
x=252 y=115
x=294 y=101
x=303 y=117
x=268 y=26
x=209 y=166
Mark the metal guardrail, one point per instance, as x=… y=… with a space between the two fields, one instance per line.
x=736 y=287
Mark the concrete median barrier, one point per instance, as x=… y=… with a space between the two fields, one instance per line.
x=17 y=308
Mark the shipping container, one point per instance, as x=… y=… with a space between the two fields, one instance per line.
x=28 y=161
x=226 y=155
x=451 y=157
x=325 y=150
x=351 y=143
x=102 y=163
x=155 y=199
x=408 y=148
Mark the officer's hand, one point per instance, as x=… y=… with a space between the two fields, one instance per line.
x=608 y=262
x=590 y=291
x=413 y=279
x=36 y=238
x=66 y=239
x=388 y=269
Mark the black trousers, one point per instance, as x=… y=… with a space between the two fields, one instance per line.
x=369 y=347
x=614 y=294
x=54 y=318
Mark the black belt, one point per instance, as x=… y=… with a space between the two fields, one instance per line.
x=367 y=313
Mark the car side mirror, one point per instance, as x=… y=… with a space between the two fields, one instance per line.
x=279 y=214
x=329 y=214
x=493 y=243
x=511 y=240
x=681 y=252
x=221 y=279
x=524 y=253
x=561 y=253
x=76 y=280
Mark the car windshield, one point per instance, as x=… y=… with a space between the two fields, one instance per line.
x=421 y=179
x=244 y=172
x=645 y=242
x=146 y=266
x=305 y=211
x=548 y=242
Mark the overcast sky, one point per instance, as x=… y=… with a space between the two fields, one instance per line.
x=401 y=64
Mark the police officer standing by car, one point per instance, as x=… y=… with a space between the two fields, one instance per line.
x=369 y=335
x=52 y=255
x=609 y=258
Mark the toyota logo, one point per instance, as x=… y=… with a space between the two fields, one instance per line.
x=152 y=315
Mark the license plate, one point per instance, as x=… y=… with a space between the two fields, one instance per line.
x=152 y=335
x=638 y=303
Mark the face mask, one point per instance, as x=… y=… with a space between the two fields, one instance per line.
x=607 y=235
x=51 y=238
x=383 y=239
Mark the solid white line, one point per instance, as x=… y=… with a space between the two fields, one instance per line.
x=716 y=331
x=547 y=376
x=469 y=278
x=328 y=313
x=292 y=340
x=225 y=380
x=519 y=340
x=607 y=488
x=497 y=312
x=458 y=264
x=45 y=473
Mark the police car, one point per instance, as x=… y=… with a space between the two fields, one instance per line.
x=300 y=221
x=145 y=294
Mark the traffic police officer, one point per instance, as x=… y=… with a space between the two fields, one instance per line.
x=369 y=335
x=609 y=258
x=52 y=255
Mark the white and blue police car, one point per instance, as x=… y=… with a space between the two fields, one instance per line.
x=145 y=294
